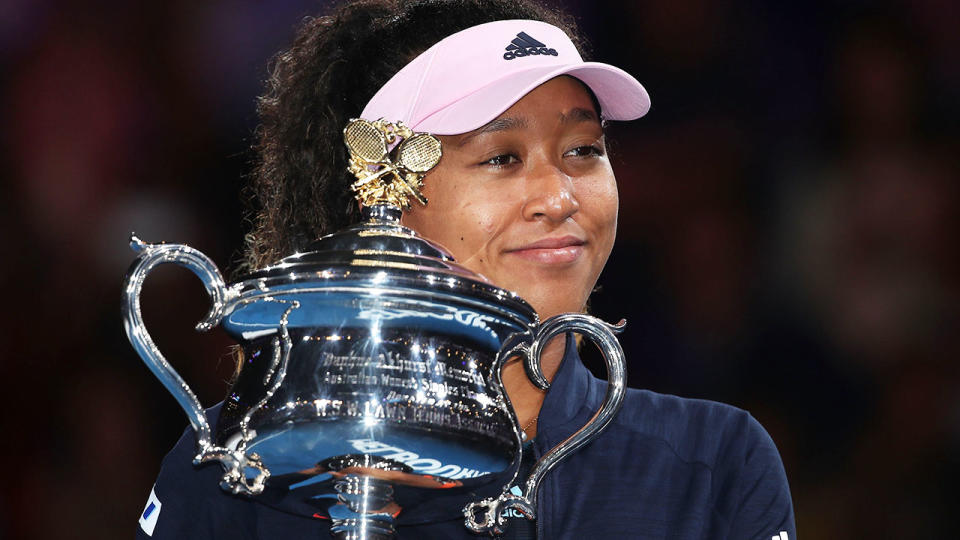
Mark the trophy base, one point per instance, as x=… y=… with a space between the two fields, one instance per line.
x=365 y=508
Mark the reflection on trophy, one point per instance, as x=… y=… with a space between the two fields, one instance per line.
x=371 y=364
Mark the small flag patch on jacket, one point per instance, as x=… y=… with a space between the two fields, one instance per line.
x=151 y=513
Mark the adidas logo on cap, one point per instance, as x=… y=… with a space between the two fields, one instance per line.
x=524 y=45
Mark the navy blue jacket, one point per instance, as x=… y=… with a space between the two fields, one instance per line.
x=667 y=467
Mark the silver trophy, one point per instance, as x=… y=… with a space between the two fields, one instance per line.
x=371 y=376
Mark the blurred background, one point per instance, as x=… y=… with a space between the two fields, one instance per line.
x=787 y=243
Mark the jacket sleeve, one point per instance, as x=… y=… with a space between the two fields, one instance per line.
x=186 y=501
x=762 y=508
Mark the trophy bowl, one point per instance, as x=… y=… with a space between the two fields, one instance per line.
x=370 y=362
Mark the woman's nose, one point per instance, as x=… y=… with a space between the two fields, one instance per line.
x=550 y=195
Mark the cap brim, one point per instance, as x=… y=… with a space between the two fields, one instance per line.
x=621 y=97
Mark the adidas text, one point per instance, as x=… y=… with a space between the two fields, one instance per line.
x=530 y=51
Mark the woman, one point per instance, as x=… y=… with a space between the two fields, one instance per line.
x=524 y=195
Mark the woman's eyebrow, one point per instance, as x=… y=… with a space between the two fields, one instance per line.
x=579 y=114
x=497 y=124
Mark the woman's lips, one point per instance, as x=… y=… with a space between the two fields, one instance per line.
x=561 y=250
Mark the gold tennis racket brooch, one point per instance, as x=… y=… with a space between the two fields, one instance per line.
x=389 y=161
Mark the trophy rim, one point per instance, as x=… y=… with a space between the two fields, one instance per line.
x=402 y=283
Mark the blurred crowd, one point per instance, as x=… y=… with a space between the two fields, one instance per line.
x=787 y=238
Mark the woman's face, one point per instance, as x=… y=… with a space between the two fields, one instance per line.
x=529 y=200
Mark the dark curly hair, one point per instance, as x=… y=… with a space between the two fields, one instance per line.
x=300 y=187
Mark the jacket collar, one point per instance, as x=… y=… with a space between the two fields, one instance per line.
x=570 y=392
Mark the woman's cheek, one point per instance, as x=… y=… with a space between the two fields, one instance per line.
x=604 y=212
x=487 y=223
x=612 y=197
x=480 y=209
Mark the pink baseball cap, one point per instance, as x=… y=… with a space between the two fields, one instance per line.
x=469 y=78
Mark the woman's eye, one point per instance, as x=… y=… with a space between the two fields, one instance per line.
x=502 y=160
x=585 y=151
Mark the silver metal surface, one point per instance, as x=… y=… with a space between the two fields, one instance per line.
x=235 y=463
x=365 y=507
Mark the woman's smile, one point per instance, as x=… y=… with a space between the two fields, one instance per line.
x=549 y=251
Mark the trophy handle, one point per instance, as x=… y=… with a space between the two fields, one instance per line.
x=487 y=515
x=151 y=255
